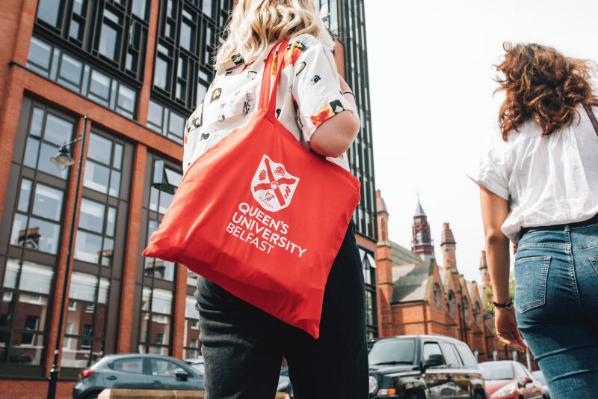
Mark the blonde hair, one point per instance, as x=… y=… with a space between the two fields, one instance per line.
x=255 y=24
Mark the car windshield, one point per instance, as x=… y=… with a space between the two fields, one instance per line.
x=392 y=351
x=497 y=371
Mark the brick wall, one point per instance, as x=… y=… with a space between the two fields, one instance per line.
x=29 y=389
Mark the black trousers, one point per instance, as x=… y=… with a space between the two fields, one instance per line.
x=243 y=346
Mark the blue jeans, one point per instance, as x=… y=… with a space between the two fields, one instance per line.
x=556 y=302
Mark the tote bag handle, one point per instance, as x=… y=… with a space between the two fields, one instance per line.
x=269 y=88
x=592 y=117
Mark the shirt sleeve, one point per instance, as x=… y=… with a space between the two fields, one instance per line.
x=315 y=87
x=493 y=171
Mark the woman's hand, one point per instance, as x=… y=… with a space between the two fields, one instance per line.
x=506 y=328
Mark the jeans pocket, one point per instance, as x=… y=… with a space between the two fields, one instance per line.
x=594 y=263
x=531 y=278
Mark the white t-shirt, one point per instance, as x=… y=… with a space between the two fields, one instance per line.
x=308 y=94
x=549 y=180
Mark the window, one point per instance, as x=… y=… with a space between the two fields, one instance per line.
x=163 y=368
x=110 y=35
x=329 y=14
x=181 y=81
x=134 y=365
x=126 y=101
x=103 y=165
x=369 y=308
x=392 y=351
x=138 y=8
x=47 y=133
x=78 y=19
x=207 y=7
x=450 y=355
x=159 y=276
x=437 y=296
x=78 y=76
x=156 y=311
x=186 y=42
x=452 y=302
x=154 y=267
x=430 y=348
x=84 y=340
x=164 y=180
x=368 y=265
x=162 y=68
x=71 y=72
x=99 y=87
x=465 y=309
x=24 y=312
x=188 y=31
x=191 y=343
x=37 y=227
x=477 y=312
x=31 y=325
x=466 y=356
x=95 y=237
x=192 y=278
x=49 y=11
x=40 y=56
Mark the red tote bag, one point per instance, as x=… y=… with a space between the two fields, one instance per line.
x=261 y=216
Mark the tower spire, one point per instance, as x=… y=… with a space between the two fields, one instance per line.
x=421 y=243
x=448 y=246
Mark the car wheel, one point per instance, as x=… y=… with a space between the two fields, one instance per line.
x=92 y=395
x=412 y=395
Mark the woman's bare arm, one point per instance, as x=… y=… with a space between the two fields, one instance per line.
x=334 y=137
x=494 y=212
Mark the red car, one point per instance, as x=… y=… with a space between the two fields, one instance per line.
x=508 y=379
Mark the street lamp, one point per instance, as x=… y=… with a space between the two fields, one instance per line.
x=64 y=160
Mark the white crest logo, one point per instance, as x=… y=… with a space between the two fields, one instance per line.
x=272 y=185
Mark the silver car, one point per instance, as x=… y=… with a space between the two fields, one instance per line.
x=136 y=371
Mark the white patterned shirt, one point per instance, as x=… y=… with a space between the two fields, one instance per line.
x=308 y=94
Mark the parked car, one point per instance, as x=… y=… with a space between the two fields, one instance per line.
x=198 y=364
x=538 y=375
x=508 y=379
x=136 y=371
x=284 y=383
x=423 y=366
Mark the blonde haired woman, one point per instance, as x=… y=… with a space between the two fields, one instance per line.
x=243 y=347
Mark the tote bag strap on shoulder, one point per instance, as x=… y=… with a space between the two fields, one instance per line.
x=592 y=117
x=268 y=89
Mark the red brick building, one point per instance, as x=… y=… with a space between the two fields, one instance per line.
x=137 y=69
x=417 y=295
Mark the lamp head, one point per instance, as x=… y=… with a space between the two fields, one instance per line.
x=63 y=158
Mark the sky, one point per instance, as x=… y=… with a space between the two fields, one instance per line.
x=433 y=110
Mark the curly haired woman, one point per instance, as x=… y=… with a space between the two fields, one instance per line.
x=539 y=188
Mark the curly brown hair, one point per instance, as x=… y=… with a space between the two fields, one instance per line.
x=541 y=84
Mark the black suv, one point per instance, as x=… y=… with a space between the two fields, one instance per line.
x=423 y=367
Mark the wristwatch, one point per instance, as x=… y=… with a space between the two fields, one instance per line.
x=506 y=305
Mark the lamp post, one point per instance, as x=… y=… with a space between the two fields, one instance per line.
x=64 y=160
